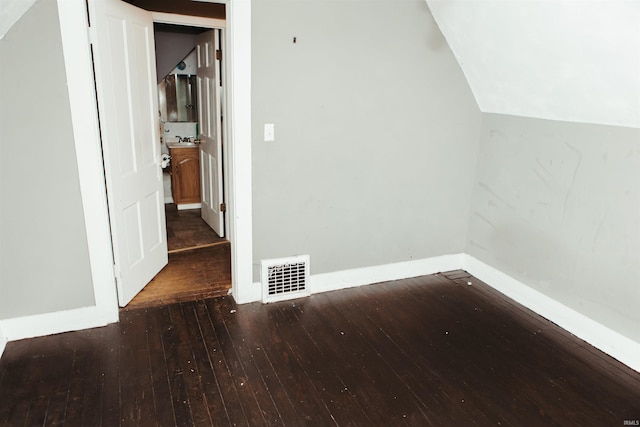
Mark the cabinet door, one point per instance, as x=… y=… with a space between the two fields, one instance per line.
x=186 y=175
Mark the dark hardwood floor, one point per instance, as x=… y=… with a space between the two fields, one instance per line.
x=186 y=230
x=199 y=263
x=429 y=351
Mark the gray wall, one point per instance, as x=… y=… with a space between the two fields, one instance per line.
x=171 y=48
x=376 y=134
x=44 y=262
x=557 y=206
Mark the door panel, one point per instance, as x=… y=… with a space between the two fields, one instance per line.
x=124 y=59
x=210 y=120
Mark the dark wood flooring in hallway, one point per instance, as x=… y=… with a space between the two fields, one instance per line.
x=199 y=263
x=429 y=351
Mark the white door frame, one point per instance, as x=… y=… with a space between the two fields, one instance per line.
x=77 y=56
x=212 y=24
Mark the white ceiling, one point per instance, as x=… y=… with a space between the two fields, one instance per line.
x=569 y=60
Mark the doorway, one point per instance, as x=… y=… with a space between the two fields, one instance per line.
x=199 y=256
x=78 y=47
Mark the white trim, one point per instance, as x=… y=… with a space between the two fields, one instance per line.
x=384 y=273
x=185 y=206
x=187 y=20
x=3 y=340
x=82 y=102
x=238 y=66
x=606 y=340
x=37 y=325
x=344 y=279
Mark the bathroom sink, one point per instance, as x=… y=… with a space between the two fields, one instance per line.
x=181 y=144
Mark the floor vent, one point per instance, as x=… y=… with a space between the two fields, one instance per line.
x=285 y=278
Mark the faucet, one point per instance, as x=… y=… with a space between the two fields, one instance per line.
x=181 y=139
x=186 y=139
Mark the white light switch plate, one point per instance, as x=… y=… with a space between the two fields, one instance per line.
x=269 y=132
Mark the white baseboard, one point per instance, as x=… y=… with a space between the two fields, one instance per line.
x=383 y=273
x=606 y=340
x=3 y=340
x=18 y=328
x=344 y=279
x=184 y=206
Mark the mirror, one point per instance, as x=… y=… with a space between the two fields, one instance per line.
x=177 y=98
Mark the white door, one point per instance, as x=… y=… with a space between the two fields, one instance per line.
x=210 y=126
x=124 y=58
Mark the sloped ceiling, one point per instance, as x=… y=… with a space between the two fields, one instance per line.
x=10 y=12
x=569 y=60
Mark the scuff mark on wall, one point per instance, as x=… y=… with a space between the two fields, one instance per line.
x=485 y=220
x=543 y=179
x=495 y=195
x=599 y=228
x=573 y=179
x=571 y=229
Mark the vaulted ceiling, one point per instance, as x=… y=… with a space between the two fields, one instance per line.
x=569 y=60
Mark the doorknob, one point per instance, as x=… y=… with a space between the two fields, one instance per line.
x=164 y=160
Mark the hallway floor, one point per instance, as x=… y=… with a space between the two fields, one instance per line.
x=199 y=263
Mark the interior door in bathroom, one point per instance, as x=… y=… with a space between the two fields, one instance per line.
x=210 y=128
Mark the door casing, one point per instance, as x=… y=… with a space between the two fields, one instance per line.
x=83 y=105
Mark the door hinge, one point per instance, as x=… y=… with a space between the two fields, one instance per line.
x=223 y=207
x=92 y=35
x=116 y=273
x=218 y=54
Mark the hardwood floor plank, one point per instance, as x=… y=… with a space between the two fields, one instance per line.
x=299 y=391
x=56 y=411
x=211 y=389
x=461 y=334
x=189 y=368
x=218 y=361
x=244 y=346
x=108 y=359
x=179 y=398
x=17 y=412
x=334 y=392
x=11 y=388
x=360 y=367
x=163 y=402
x=251 y=321
x=187 y=229
x=37 y=412
x=81 y=382
x=413 y=350
x=136 y=394
x=244 y=384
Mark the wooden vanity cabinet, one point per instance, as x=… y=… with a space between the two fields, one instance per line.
x=185 y=174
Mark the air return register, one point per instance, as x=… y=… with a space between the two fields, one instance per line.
x=285 y=278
